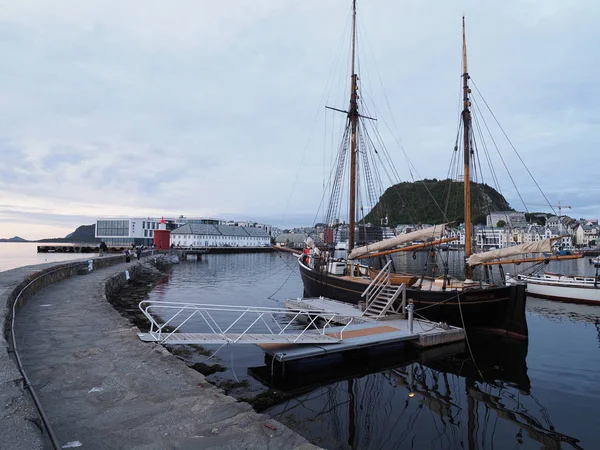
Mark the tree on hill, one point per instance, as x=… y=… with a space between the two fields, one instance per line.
x=537 y=218
x=433 y=201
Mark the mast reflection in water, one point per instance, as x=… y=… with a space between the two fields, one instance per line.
x=446 y=403
x=540 y=394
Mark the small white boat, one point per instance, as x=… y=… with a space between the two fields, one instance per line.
x=567 y=288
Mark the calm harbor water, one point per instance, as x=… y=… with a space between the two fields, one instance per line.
x=542 y=395
x=17 y=254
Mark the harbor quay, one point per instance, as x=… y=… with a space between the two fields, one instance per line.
x=98 y=385
x=93 y=248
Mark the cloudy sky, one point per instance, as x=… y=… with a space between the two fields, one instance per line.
x=203 y=108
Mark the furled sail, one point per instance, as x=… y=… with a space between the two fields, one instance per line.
x=544 y=246
x=425 y=234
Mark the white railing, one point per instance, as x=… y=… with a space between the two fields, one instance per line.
x=382 y=286
x=264 y=320
x=378 y=283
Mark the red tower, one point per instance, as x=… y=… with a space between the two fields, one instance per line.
x=162 y=236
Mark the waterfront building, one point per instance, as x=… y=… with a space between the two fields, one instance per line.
x=140 y=231
x=456 y=233
x=212 y=235
x=495 y=237
x=582 y=233
x=488 y=238
x=125 y=232
x=586 y=235
x=291 y=240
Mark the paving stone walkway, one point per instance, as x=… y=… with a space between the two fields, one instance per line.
x=103 y=388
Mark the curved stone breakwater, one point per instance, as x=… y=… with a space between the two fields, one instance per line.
x=99 y=385
x=125 y=296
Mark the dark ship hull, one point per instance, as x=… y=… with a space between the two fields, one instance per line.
x=497 y=310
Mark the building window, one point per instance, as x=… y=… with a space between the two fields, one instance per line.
x=107 y=228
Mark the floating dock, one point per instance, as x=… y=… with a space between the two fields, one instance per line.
x=327 y=331
x=360 y=332
x=298 y=376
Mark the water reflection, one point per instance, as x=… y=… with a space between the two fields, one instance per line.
x=475 y=399
x=543 y=395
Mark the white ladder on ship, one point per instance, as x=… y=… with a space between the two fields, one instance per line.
x=381 y=295
x=227 y=324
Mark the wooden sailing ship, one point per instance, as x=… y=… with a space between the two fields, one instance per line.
x=477 y=305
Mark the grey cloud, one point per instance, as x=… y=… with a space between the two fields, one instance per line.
x=220 y=110
x=11 y=215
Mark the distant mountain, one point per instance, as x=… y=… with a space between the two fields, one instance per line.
x=421 y=201
x=14 y=239
x=83 y=234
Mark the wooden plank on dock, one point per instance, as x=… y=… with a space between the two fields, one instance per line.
x=347 y=334
x=424 y=334
x=354 y=337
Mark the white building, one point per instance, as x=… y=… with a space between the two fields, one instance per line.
x=456 y=233
x=490 y=238
x=586 y=234
x=140 y=231
x=209 y=235
x=124 y=232
x=494 y=237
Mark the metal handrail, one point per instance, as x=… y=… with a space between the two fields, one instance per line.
x=158 y=332
x=379 y=282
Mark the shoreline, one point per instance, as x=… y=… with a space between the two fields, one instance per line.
x=126 y=299
x=21 y=425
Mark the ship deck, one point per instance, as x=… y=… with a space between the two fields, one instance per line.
x=426 y=284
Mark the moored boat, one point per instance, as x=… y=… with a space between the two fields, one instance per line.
x=584 y=289
x=476 y=305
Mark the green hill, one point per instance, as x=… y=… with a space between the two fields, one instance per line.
x=433 y=201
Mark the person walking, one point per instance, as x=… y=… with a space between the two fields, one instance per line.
x=138 y=253
x=103 y=248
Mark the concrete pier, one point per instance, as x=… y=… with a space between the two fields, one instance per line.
x=100 y=386
x=93 y=248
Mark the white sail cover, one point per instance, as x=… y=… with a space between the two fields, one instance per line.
x=544 y=246
x=434 y=232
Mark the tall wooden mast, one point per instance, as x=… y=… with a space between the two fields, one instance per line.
x=353 y=117
x=466 y=116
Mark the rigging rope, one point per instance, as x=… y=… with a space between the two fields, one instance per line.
x=500 y=154
x=462 y=319
x=510 y=142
